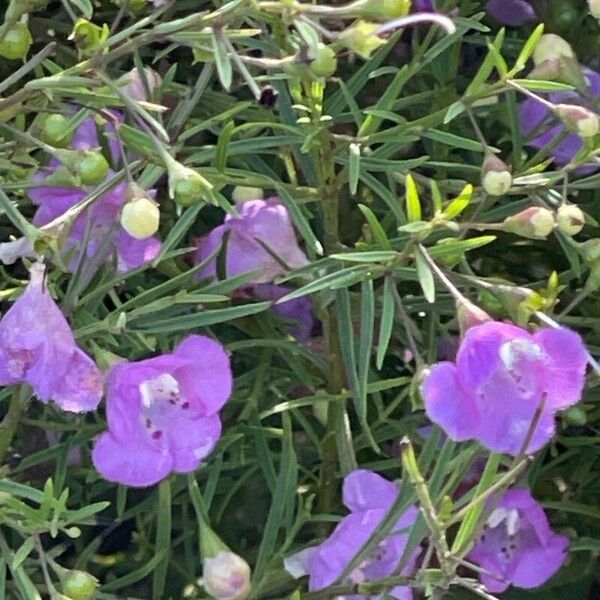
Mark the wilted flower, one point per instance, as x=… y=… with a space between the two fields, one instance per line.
x=260 y=239
x=163 y=413
x=511 y=12
x=38 y=348
x=132 y=84
x=502 y=376
x=535 y=119
x=94 y=224
x=517 y=545
x=369 y=497
x=298 y=311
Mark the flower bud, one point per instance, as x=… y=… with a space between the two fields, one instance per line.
x=594 y=6
x=535 y=223
x=242 y=194
x=186 y=186
x=79 y=585
x=570 y=219
x=386 y=9
x=552 y=46
x=575 y=416
x=496 y=179
x=93 y=167
x=56 y=131
x=88 y=36
x=579 y=119
x=140 y=218
x=226 y=576
x=469 y=315
x=323 y=61
x=132 y=84
x=362 y=38
x=16 y=43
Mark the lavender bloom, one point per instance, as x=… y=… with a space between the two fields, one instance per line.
x=162 y=413
x=369 y=497
x=92 y=226
x=38 y=348
x=261 y=224
x=501 y=377
x=517 y=546
x=532 y=114
x=511 y=12
x=422 y=6
x=299 y=310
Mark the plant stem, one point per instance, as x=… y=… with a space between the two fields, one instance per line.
x=8 y=426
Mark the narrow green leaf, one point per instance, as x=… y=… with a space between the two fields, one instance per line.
x=375 y=227
x=23 y=552
x=387 y=321
x=425 y=278
x=222 y=60
x=365 y=342
x=461 y=202
x=163 y=539
x=528 y=49
x=413 y=204
x=222 y=150
x=353 y=167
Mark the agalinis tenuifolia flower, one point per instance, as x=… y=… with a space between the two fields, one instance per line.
x=260 y=239
x=517 y=545
x=369 y=498
x=93 y=226
x=502 y=378
x=511 y=12
x=38 y=348
x=536 y=120
x=163 y=413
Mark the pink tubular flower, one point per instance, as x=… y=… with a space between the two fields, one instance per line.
x=502 y=377
x=162 y=413
x=517 y=546
x=91 y=228
x=252 y=241
x=38 y=348
x=369 y=498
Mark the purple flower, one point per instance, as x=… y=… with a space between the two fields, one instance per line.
x=501 y=377
x=517 y=546
x=422 y=6
x=511 y=12
x=162 y=413
x=91 y=227
x=261 y=239
x=38 y=348
x=369 y=497
x=535 y=118
x=298 y=310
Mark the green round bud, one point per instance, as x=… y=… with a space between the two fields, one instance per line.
x=79 y=585
x=56 y=131
x=16 y=42
x=188 y=191
x=576 y=416
x=324 y=63
x=93 y=168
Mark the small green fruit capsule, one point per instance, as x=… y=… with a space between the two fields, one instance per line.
x=93 y=168
x=576 y=416
x=16 y=42
x=79 y=585
x=140 y=218
x=188 y=191
x=324 y=63
x=56 y=131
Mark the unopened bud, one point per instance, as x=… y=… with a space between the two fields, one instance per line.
x=579 y=119
x=323 y=61
x=535 y=223
x=242 y=193
x=469 y=315
x=386 y=9
x=79 y=585
x=88 y=36
x=594 y=8
x=226 y=576
x=16 y=42
x=495 y=176
x=570 y=219
x=362 y=38
x=187 y=186
x=552 y=46
x=140 y=218
x=132 y=84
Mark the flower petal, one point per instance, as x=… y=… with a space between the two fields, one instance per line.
x=131 y=462
x=364 y=490
x=81 y=387
x=448 y=405
x=511 y=12
x=538 y=564
x=192 y=440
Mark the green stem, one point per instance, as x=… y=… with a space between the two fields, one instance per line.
x=8 y=426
